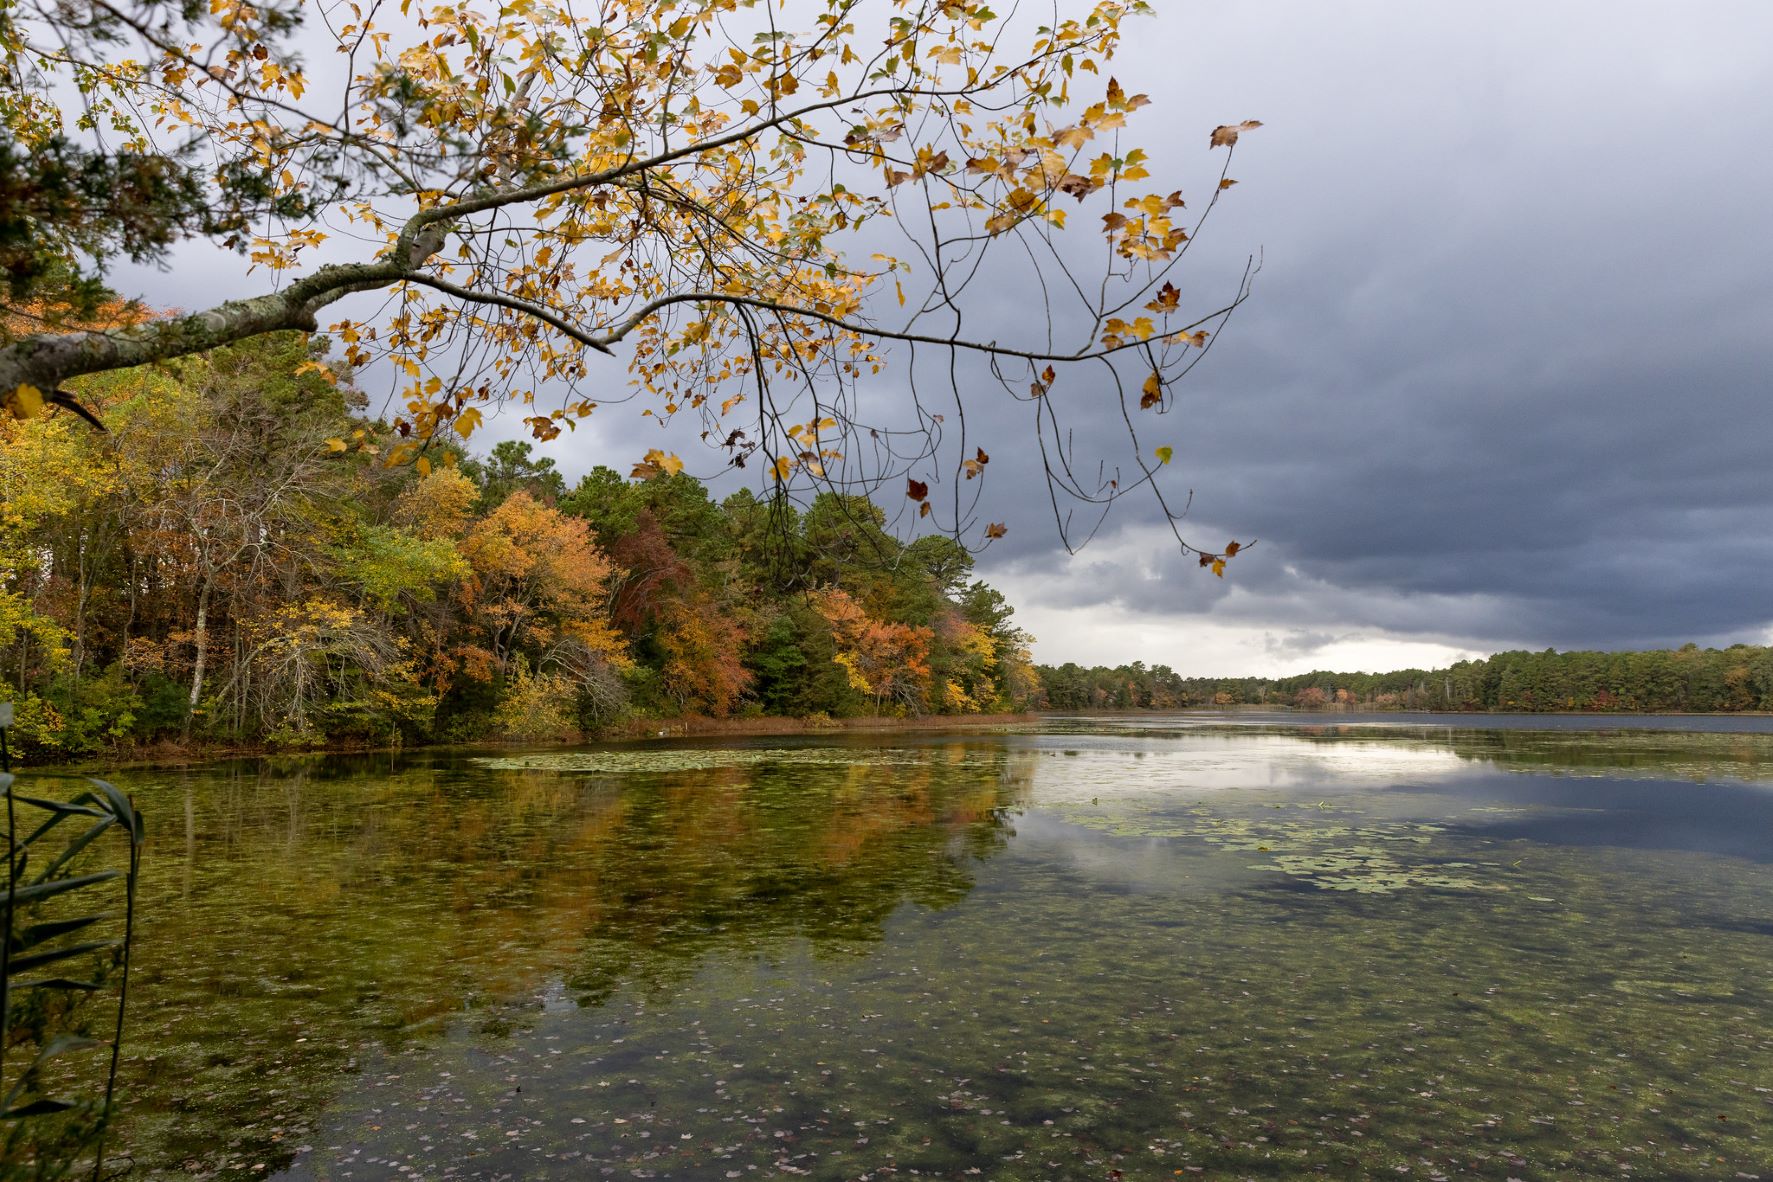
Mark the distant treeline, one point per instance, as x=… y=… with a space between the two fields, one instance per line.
x=1685 y=680
x=232 y=562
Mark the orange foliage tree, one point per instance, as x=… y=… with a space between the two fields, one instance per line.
x=538 y=585
x=885 y=661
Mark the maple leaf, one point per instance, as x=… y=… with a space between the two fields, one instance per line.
x=917 y=490
x=1075 y=185
x=1168 y=297
x=1152 y=392
x=996 y=530
x=1225 y=135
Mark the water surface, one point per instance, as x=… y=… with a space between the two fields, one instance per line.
x=1155 y=947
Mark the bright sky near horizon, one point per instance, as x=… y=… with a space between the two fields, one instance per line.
x=1505 y=379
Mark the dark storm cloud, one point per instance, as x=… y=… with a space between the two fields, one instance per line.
x=1506 y=376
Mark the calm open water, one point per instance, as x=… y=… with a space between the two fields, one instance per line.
x=1227 y=948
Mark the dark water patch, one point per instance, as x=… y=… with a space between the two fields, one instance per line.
x=1724 y=819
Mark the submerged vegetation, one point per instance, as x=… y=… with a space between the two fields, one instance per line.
x=1230 y=953
x=215 y=569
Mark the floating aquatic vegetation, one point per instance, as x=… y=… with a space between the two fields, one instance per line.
x=1373 y=871
x=696 y=759
x=1310 y=841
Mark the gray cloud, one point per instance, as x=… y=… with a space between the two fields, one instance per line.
x=1505 y=379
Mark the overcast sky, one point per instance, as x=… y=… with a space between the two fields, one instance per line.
x=1506 y=378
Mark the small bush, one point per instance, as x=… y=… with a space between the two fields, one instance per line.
x=537 y=706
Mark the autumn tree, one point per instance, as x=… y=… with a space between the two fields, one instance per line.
x=885 y=661
x=537 y=589
x=501 y=204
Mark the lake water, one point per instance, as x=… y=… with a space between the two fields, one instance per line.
x=1140 y=948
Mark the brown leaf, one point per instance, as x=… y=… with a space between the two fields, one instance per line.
x=923 y=510
x=1206 y=560
x=1075 y=185
x=1152 y=393
x=917 y=490
x=1231 y=548
x=1226 y=183
x=995 y=530
x=1225 y=135
x=1168 y=297
x=980 y=456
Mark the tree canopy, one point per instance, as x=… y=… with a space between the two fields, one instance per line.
x=210 y=571
x=505 y=204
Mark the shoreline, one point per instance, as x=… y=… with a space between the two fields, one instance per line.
x=174 y=754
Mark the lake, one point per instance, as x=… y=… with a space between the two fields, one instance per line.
x=1152 y=947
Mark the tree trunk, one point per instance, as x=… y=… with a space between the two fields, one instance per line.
x=200 y=637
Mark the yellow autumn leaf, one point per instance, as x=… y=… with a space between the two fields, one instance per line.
x=467 y=421
x=25 y=402
x=1165 y=454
